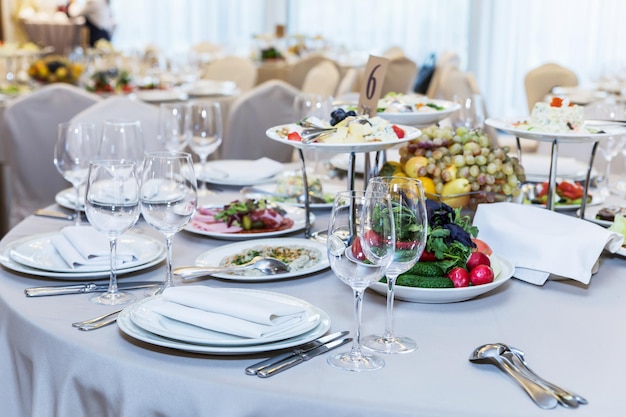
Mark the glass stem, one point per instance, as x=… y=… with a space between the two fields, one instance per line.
x=356 y=341
x=169 y=281
x=391 y=285
x=203 y=160
x=77 y=220
x=113 y=278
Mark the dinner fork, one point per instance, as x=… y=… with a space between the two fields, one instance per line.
x=97 y=322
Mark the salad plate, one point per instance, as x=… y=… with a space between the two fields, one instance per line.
x=142 y=314
x=213 y=257
x=237 y=172
x=297 y=214
x=67 y=198
x=430 y=112
x=274 y=133
x=503 y=271
x=589 y=132
x=590 y=214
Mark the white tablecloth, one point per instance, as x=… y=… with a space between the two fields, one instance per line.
x=572 y=335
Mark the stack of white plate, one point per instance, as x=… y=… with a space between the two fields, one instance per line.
x=36 y=255
x=141 y=322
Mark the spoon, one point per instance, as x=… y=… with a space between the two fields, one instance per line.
x=517 y=357
x=268 y=266
x=491 y=354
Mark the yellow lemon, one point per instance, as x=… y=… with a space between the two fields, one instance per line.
x=428 y=185
x=459 y=188
x=413 y=165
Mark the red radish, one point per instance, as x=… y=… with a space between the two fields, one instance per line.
x=482 y=274
x=357 y=250
x=428 y=257
x=482 y=246
x=459 y=277
x=477 y=258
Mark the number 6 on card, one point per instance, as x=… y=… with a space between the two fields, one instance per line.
x=373 y=78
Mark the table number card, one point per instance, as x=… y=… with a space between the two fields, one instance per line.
x=373 y=78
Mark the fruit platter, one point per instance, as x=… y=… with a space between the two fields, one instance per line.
x=55 y=69
x=455 y=265
x=413 y=109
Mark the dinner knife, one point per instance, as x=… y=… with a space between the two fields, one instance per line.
x=291 y=362
x=253 y=369
x=85 y=288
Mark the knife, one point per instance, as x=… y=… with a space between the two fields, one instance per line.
x=85 y=288
x=253 y=369
x=291 y=362
x=54 y=214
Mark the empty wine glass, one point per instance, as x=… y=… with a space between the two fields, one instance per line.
x=205 y=133
x=411 y=226
x=356 y=217
x=313 y=105
x=75 y=147
x=112 y=208
x=173 y=132
x=168 y=197
x=122 y=140
x=472 y=112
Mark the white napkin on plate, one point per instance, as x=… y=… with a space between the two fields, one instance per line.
x=85 y=246
x=237 y=313
x=541 y=242
x=241 y=170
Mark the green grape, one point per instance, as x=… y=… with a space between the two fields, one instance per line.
x=491 y=168
x=474 y=171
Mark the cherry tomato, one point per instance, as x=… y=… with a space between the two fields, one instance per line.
x=482 y=274
x=295 y=136
x=477 y=258
x=372 y=238
x=570 y=190
x=459 y=277
x=398 y=131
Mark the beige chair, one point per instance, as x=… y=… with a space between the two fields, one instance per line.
x=300 y=69
x=393 y=52
x=400 y=77
x=540 y=81
x=251 y=114
x=322 y=79
x=241 y=71
x=31 y=124
x=347 y=82
x=446 y=60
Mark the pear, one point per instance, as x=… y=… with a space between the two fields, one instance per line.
x=456 y=193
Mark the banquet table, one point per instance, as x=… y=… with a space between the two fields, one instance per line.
x=571 y=334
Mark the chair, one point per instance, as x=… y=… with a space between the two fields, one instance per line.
x=31 y=123
x=322 y=79
x=400 y=76
x=447 y=59
x=251 y=114
x=301 y=68
x=241 y=71
x=541 y=80
x=127 y=109
x=393 y=52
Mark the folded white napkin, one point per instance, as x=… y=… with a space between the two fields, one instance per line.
x=85 y=246
x=231 y=312
x=541 y=242
x=244 y=170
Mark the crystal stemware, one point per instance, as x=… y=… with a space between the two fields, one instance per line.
x=112 y=208
x=356 y=217
x=75 y=147
x=122 y=140
x=411 y=226
x=205 y=133
x=168 y=197
x=173 y=132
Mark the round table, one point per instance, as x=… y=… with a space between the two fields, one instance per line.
x=571 y=333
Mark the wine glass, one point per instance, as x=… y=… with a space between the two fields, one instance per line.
x=168 y=197
x=411 y=226
x=173 y=132
x=122 y=140
x=313 y=105
x=356 y=217
x=472 y=112
x=112 y=207
x=75 y=147
x=205 y=132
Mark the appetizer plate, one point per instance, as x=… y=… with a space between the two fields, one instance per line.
x=272 y=133
x=143 y=315
x=237 y=172
x=329 y=188
x=588 y=134
x=126 y=325
x=297 y=214
x=590 y=214
x=503 y=270
x=77 y=275
x=67 y=198
x=424 y=117
x=595 y=201
x=213 y=257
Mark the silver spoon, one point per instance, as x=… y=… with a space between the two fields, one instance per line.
x=517 y=357
x=268 y=266
x=491 y=354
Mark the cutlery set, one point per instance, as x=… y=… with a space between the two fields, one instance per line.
x=510 y=360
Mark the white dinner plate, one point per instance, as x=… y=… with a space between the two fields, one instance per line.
x=342 y=160
x=127 y=326
x=423 y=117
x=503 y=270
x=297 y=214
x=329 y=188
x=235 y=172
x=213 y=257
x=160 y=96
x=587 y=134
x=8 y=262
x=208 y=88
x=596 y=200
x=143 y=315
x=39 y=252
x=67 y=198
x=272 y=133
x=590 y=214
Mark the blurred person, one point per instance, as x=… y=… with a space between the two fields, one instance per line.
x=98 y=18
